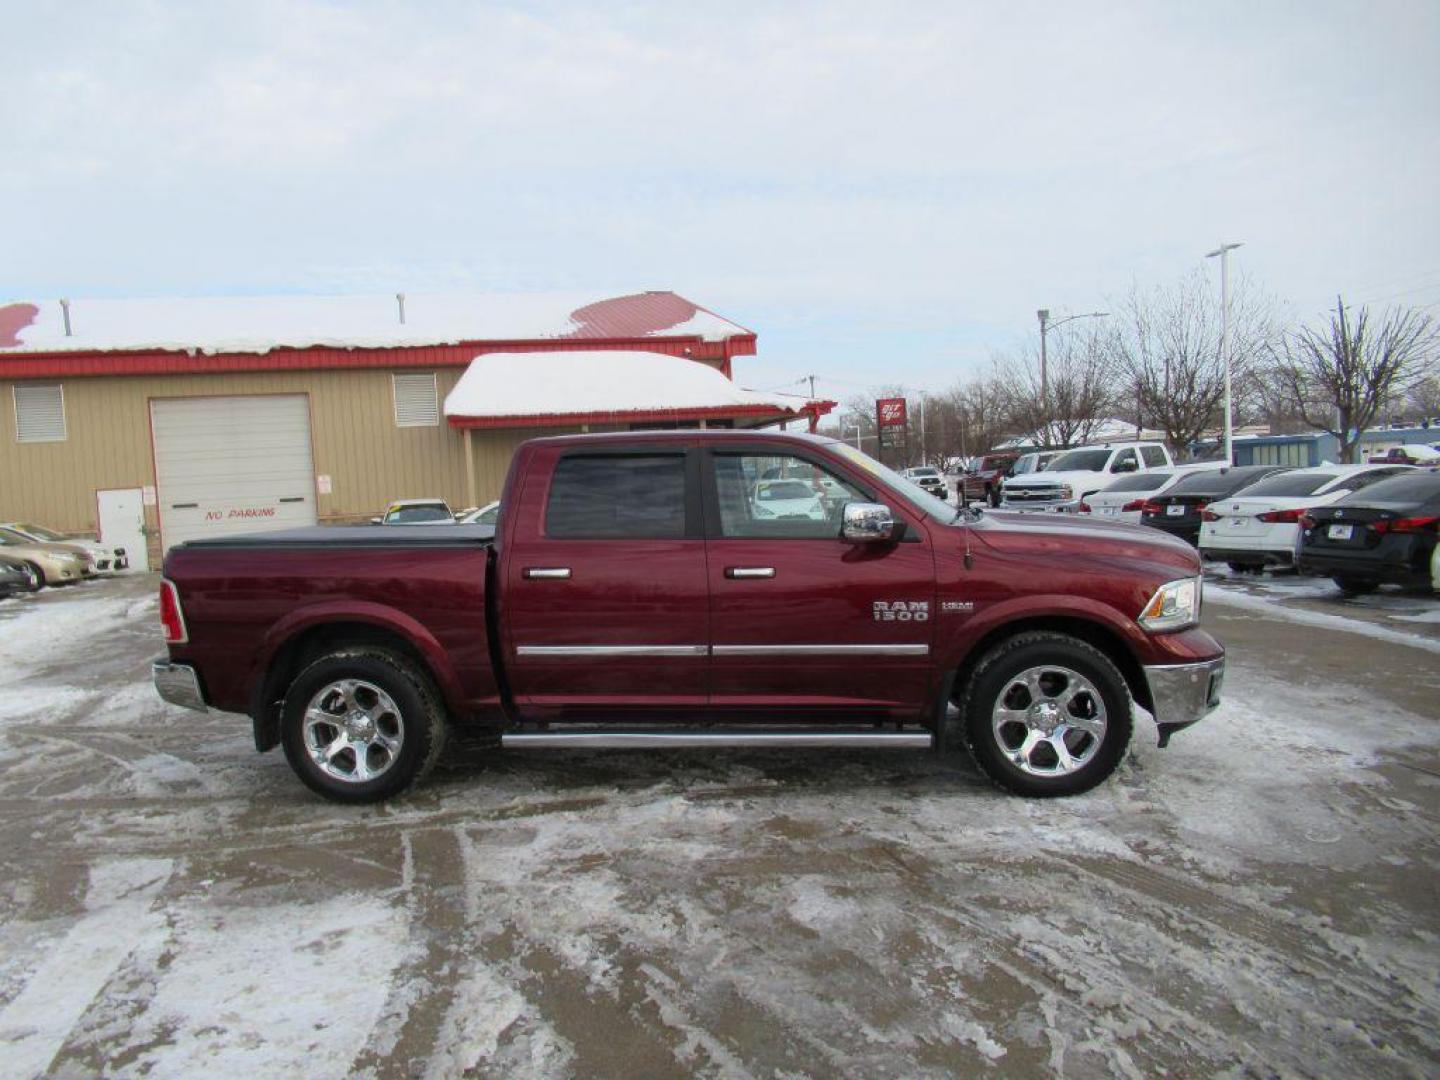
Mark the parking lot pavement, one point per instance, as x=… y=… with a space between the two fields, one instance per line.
x=1257 y=899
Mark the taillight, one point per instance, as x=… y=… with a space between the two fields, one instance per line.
x=1130 y=507
x=1083 y=508
x=172 y=619
x=1210 y=515
x=1148 y=507
x=1406 y=525
x=1283 y=517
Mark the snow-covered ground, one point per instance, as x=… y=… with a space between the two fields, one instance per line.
x=1257 y=899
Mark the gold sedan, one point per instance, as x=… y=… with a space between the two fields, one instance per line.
x=57 y=564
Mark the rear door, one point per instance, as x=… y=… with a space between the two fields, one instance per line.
x=799 y=618
x=605 y=596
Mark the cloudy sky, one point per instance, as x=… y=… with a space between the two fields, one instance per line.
x=885 y=191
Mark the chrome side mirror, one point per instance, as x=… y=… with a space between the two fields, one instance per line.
x=865 y=523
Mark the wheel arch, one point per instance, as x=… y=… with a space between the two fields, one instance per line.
x=304 y=637
x=1089 y=630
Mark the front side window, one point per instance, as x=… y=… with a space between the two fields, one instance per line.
x=617 y=497
x=778 y=495
x=1154 y=457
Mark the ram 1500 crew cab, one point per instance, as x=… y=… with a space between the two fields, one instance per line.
x=638 y=591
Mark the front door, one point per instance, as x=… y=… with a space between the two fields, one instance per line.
x=605 y=600
x=800 y=618
x=122 y=524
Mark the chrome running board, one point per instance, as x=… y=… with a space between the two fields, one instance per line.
x=591 y=738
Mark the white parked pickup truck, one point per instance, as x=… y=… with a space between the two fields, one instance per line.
x=1081 y=472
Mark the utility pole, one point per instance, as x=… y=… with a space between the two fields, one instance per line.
x=1224 y=252
x=1044 y=315
x=812 y=386
x=1045 y=327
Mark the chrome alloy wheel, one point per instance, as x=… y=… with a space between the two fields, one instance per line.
x=353 y=730
x=1049 y=720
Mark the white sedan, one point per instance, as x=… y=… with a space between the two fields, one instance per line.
x=786 y=499
x=1125 y=498
x=1260 y=525
x=103 y=560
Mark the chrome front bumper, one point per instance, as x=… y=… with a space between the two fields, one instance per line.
x=1183 y=693
x=178 y=684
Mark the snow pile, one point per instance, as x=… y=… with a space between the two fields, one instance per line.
x=570 y=382
x=258 y=324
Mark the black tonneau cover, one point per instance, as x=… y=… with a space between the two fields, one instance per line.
x=350 y=536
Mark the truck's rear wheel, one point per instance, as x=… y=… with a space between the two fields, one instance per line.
x=359 y=725
x=1046 y=714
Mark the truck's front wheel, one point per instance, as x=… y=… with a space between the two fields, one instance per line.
x=1046 y=714
x=359 y=725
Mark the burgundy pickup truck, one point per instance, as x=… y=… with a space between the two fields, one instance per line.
x=695 y=589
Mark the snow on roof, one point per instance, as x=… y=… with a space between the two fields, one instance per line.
x=593 y=382
x=258 y=324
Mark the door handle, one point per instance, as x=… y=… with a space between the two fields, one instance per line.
x=749 y=571
x=547 y=573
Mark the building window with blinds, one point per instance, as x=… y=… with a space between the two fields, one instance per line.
x=416 y=402
x=40 y=413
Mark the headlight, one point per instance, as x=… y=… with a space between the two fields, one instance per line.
x=1174 y=606
x=764 y=512
x=1066 y=492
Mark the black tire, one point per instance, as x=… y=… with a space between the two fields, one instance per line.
x=994 y=496
x=1239 y=567
x=419 y=715
x=1354 y=586
x=39 y=581
x=995 y=676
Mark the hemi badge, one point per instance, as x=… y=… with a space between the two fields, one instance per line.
x=957 y=605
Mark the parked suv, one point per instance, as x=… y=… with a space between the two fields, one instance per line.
x=929 y=479
x=1069 y=478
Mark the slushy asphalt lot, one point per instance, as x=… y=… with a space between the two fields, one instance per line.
x=1258 y=899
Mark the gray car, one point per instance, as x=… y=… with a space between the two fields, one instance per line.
x=17 y=577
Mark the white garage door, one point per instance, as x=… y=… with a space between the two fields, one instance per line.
x=228 y=465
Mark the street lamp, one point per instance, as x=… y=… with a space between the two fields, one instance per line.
x=1045 y=327
x=1224 y=252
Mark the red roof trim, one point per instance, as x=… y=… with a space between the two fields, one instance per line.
x=715 y=412
x=99 y=364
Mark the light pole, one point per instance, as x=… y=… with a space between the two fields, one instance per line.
x=1045 y=327
x=1224 y=252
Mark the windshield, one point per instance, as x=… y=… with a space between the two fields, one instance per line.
x=1289 y=485
x=1415 y=488
x=920 y=502
x=1080 y=461
x=409 y=515
x=1218 y=482
x=927 y=473
x=1145 y=481
x=784 y=489
x=37 y=530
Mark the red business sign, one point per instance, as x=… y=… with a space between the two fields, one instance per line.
x=890 y=412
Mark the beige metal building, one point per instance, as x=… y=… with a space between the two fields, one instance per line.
x=150 y=422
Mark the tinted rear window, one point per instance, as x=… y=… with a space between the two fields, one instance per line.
x=613 y=497
x=1287 y=484
x=1216 y=483
x=1145 y=481
x=1418 y=488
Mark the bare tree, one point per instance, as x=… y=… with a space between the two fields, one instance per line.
x=1342 y=376
x=1167 y=340
x=1081 y=389
x=1422 y=401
